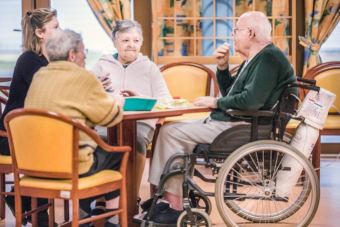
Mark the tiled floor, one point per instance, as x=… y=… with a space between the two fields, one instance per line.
x=327 y=215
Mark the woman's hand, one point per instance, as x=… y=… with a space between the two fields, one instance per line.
x=221 y=56
x=120 y=100
x=106 y=81
x=128 y=93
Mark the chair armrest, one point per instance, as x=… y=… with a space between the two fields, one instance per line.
x=255 y=113
x=160 y=122
x=3 y=100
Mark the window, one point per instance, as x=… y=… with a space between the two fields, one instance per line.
x=187 y=30
x=330 y=50
x=10 y=39
x=78 y=16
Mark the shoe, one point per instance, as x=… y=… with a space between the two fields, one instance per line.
x=9 y=200
x=99 y=209
x=147 y=204
x=162 y=215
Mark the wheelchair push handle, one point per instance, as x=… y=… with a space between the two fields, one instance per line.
x=307 y=81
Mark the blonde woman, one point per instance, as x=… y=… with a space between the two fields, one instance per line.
x=37 y=27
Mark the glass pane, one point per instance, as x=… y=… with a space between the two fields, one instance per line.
x=165 y=47
x=283 y=44
x=183 y=27
x=219 y=42
x=281 y=27
x=224 y=8
x=184 y=8
x=184 y=47
x=224 y=28
x=207 y=28
x=281 y=8
x=166 y=28
x=330 y=50
x=78 y=16
x=264 y=7
x=207 y=47
x=243 y=6
x=10 y=40
x=165 y=8
x=207 y=8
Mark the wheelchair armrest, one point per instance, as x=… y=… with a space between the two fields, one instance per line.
x=250 y=113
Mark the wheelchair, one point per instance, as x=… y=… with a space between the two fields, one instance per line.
x=248 y=162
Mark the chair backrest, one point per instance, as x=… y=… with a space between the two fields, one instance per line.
x=4 y=88
x=327 y=76
x=189 y=80
x=43 y=144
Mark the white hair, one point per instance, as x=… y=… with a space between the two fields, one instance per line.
x=60 y=43
x=126 y=26
x=258 y=22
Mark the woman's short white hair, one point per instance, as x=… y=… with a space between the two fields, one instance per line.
x=126 y=26
x=60 y=43
x=259 y=22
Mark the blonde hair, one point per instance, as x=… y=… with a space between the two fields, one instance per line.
x=35 y=19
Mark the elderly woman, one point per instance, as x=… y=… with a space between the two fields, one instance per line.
x=37 y=27
x=133 y=74
x=66 y=78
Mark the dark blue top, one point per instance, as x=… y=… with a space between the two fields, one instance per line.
x=27 y=65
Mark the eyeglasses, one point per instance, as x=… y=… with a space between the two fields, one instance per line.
x=235 y=29
x=85 y=51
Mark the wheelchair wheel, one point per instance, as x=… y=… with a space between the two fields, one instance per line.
x=200 y=201
x=248 y=189
x=199 y=218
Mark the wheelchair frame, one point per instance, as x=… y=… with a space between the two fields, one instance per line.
x=265 y=141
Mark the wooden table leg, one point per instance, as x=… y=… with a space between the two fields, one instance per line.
x=126 y=134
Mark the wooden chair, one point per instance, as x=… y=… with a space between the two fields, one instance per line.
x=44 y=148
x=327 y=76
x=189 y=80
x=5 y=161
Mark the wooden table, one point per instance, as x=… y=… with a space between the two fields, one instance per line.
x=125 y=133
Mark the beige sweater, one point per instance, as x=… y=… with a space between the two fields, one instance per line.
x=65 y=88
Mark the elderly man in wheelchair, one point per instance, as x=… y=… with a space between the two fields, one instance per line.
x=251 y=186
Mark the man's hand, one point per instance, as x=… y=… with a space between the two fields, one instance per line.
x=128 y=93
x=120 y=100
x=206 y=101
x=106 y=81
x=221 y=56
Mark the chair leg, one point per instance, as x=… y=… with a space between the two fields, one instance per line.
x=2 y=196
x=75 y=212
x=51 y=215
x=34 y=202
x=66 y=210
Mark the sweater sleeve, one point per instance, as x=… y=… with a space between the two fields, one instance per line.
x=259 y=85
x=224 y=80
x=100 y=108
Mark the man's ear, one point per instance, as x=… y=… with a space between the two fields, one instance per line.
x=71 y=55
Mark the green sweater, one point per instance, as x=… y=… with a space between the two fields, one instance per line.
x=259 y=85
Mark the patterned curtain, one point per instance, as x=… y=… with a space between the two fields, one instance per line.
x=110 y=11
x=321 y=17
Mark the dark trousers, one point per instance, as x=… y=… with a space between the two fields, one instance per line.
x=102 y=160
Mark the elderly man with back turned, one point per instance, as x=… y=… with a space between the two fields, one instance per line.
x=257 y=86
x=66 y=87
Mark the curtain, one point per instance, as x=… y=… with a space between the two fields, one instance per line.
x=109 y=11
x=321 y=17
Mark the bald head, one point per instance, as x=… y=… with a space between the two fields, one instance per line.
x=259 y=23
